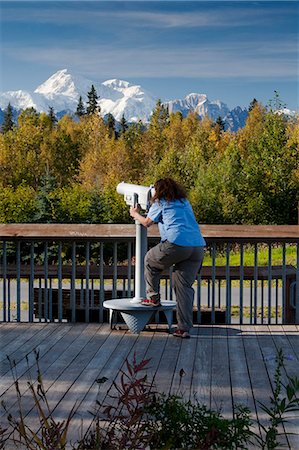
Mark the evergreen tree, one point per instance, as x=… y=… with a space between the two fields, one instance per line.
x=92 y=102
x=111 y=125
x=52 y=116
x=46 y=201
x=8 y=122
x=160 y=117
x=220 y=123
x=276 y=103
x=252 y=104
x=80 y=111
x=123 y=124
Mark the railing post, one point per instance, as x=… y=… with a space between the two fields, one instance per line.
x=31 y=283
x=241 y=281
x=297 y=287
x=228 y=285
x=269 y=282
x=213 y=282
x=73 y=284
x=4 y=281
x=18 y=281
x=87 y=258
x=255 y=283
x=102 y=285
x=46 y=274
x=283 y=283
x=59 y=282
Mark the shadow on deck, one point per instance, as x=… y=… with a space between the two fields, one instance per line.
x=222 y=365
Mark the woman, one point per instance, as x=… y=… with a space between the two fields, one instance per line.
x=182 y=245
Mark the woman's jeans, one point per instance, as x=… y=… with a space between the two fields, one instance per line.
x=187 y=262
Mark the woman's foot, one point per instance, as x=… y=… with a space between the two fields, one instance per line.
x=181 y=333
x=152 y=301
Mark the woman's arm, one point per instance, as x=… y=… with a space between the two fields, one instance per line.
x=135 y=213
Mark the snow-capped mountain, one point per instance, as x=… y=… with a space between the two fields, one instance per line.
x=236 y=118
x=200 y=104
x=62 y=91
x=118 y=97
x=133 y=102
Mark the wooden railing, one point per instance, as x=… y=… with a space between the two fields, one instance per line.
x=64 y=272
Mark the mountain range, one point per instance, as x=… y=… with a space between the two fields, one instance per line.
x=63 y=89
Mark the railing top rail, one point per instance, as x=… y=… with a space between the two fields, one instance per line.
x=123 y=232
x=251 y=233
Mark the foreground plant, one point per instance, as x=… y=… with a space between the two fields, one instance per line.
x=49 y=433
x=123 y=425
x=137 y=417
x=175 y=424
x=281 y=406
x=4 y=436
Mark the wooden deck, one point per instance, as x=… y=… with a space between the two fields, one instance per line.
x=223 y=365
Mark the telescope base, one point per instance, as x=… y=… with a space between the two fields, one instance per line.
x=137 y=316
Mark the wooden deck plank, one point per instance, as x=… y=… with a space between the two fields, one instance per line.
x=259 y=381
x=292 y=334
x=268 y=350
x=33 y=340
x=60 y=369
x=167 y=364
x=92 y=337
x=154 y=353
x=242 y=394
x=106 y=363
x=9 y=330
x=239 y=374
x=222 y=364
x=202 y=371
x=49 y=344
x=183 y=375
x=137 y=351
x=291 y=362
x=11 y=342
x=221 y=396
x=129 y=347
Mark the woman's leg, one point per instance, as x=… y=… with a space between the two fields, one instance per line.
x=159 y=258
x=184 y=276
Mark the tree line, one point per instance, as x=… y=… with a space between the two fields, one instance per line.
x=67 y=170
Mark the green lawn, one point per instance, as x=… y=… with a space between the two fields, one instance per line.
x=249 y=256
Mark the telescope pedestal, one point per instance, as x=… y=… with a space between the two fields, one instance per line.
x=137 y=316
x=140 y=251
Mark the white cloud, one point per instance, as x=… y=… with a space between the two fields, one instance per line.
x=169 y=18
x=273 y=59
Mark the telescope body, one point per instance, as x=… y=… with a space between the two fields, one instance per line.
x=133 y=194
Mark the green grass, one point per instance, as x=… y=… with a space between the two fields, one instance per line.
x=235 y=312
x=13 y=306
x=263 y=255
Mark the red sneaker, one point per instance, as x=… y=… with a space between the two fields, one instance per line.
x=151 y=301
x=181 y=333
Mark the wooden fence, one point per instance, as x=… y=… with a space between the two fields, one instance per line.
x=64 y=272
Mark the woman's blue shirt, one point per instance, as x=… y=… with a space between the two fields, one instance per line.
x=177 y=223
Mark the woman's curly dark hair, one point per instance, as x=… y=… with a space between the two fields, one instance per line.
x=168 y=189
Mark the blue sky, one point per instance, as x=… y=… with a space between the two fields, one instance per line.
x=231 y=50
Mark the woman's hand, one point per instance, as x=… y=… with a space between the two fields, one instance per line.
x=134 y=210
x=135 y=213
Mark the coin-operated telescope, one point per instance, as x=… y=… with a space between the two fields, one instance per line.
x=135 y=194
x=141 y=195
